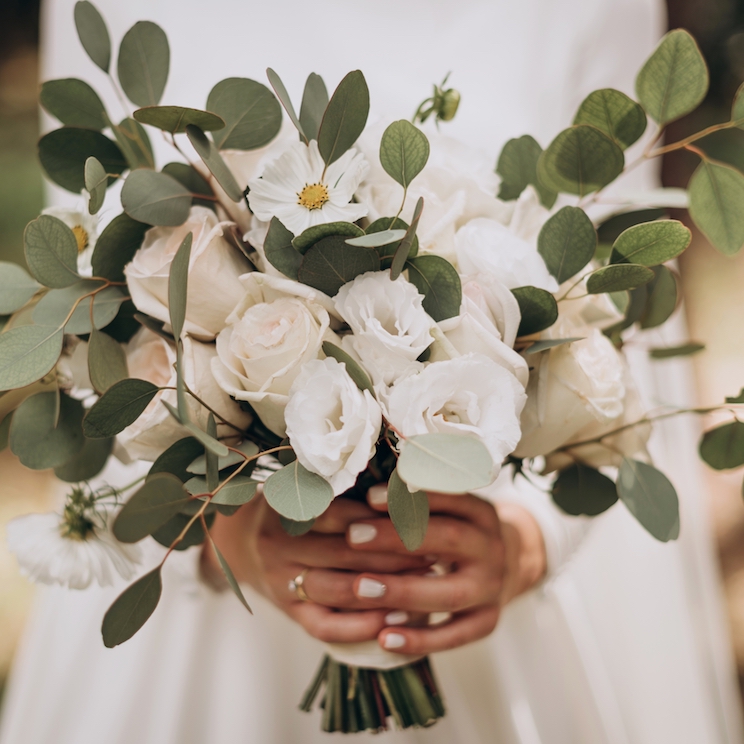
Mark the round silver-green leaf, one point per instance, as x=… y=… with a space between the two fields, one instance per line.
x=409 y=512
x=615 y=114
x=94 y=35
x=51 y=251
x=583 y=490
x=330 y=264
x=297 y=494
x=27 y=353
x=155 y=199
x=74 y=103
x=538 y=309
x=132 y=609
x=723 y=447
x=120 y=406
x=438 y=281
x=345 y=117
x=16 y=287
x=617 y=277
x=96 y=182
x=144 y=61
x=567 y=242
x=404 y=150
x=651 y=243
x=87 y=463
x=175 y=119
x=107 y=362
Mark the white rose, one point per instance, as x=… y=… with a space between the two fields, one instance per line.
x=390 y=327
x=214 y=268
x=332 y=424
x=269 y=336
x=468 y=395
x=150 y=357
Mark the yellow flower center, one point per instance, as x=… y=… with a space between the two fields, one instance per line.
x=81 y=236
x=313 y=196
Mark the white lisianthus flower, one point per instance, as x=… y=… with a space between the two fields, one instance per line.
x=214 y=268
x=269 y=336
x=152 y=358
x=332 y=425
x=390 y=327
x=471 y=394
x=85 y=228
x=300 y=191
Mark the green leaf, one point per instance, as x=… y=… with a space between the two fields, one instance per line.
x=297 y=494
x=96 y=182
x=209 y=442
x=280 y=252
x=387 y=250
x=178 y=279
x=580 y=160
x=615 y=114
x=212 y=471
x=155 y=198
x=282 y=94
x=717 y=205
x=567 y=242
x=650 y=498
x=251 y=113
x=445 y=463
x=551 y=343
x=722 y=448
x=409 y=512
x=618 y=277
x=438 y=281
x=345 y=117
x=211 y=157
x=74 y=103
x=651 y=243
x=199 y=465
x=132 y=609
x=236 y=492
x=538 y=308
x=55 y=306
x=378 y=239
x=357 y=374
x=87 y=463
x=94 y=35
x=314 y=102
x=517 y=167
x=177 y=458
x=63 y=153
x=172 y=529
x=403 y=249
x=27 y=353
x=676 y=351
x=134 y=143
x=296 y=529
x=191 y=179
x=116 y=246
x=124 y=326
x=611 y=228
x=308 y=238
x=661 y=298
x=404 y=151
x=175 y=119
x=5 y=431
x=120 y=406
x=737 y=108
x=583 y=490
x=231 y=580
x=736 y=398
x=674 y=79
x=107 y=362
x=144 y=60
x=43 y=435
x=16 y=287
x=330 y=264
x=51 y=251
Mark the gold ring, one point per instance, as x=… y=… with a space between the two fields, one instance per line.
x=297 y=585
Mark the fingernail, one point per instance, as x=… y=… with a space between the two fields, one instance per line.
x=371 y=589
x=362 y=533
x=394 y=640
x=436 y=570
x=396 y=617
x=377 y=495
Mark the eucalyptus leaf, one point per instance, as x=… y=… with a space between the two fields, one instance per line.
x=618 y=277
x=387 y=250
x=56 y=307
x=722 y=448
x=144 y=61
x=212 y=471
x=51 y=251
x=177 y=458
x=567 y=242
x=280 y=252
x=345 y=117
x=283 y=96
x=134 y=143
x=551 y=343
x=670 y=352
x=96 y=182
x=191 y=179
x=199 y=465
x=93 y=34
x=438 y=281
x=172 y=529
x=295 y=529
x=231 y=580
x=404 y=151
x=357 y=374
x=211 y=157
x=517 y=167
x=74 y=103
x=615 y=114
x=717 y=205
x=674 y=79
x=155 y=198
x=736 y=398
x=445 y=463
x=251 y=113
x=16 y=287
x=178 y=285
x=580 y=160
x=296 y=493
x=27 y=353
x=650 y=498
x=737 y=108
x=661 y=298
x=409 y=512
x=330 y=263
x=580 y=489
x=120 y=406
x=378 y=239
x=107 y=362
x=651 y=243
x=175 y=119
x=403 y=249
x=314 y=102
x=308 y=238
x=609 y=230
x=236 y=492
x=209 y=443
x=132 y=609
x=538 y=309
x=87 y=463
x=5 y=431
x=63 y=153
x=116 y=246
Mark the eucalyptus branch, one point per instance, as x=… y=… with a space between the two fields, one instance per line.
x=682 y=144
x=207 y=406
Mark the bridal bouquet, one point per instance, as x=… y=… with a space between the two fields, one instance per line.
x=306 y=315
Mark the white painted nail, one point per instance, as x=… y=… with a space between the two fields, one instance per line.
x=395 y=640
x=377 y=495
x=362 y=533
x=396 y=617
x=371 y=589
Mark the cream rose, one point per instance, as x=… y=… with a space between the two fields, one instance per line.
x=214 y=268
x=150 y=357
x=332 y=425
x=471 y=394
x=390 y=327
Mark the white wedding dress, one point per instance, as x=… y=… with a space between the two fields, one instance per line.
x=625 y=643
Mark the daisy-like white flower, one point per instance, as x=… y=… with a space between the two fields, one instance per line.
x=85 y=228
x=73 y=549
x=301 y=192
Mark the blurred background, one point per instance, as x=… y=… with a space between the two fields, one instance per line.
x=709 y=280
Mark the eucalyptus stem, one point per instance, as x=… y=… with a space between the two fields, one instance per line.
x=682 y=144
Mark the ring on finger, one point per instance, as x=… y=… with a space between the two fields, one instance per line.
x=297 y=585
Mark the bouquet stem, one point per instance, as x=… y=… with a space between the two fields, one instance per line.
x=359 y=699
